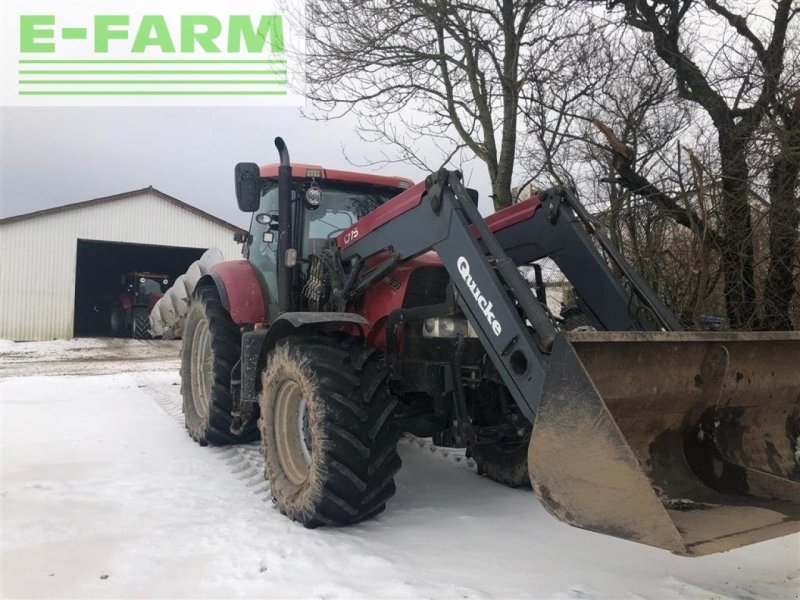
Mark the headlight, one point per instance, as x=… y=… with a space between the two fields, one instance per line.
x=447 y=327
x=313 y=196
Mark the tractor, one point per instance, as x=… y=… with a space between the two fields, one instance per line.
x=129 y=311
x=366 y=306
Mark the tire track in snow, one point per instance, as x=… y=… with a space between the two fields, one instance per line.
x=244 y=460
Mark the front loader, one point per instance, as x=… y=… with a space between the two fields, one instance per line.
x=364 y=309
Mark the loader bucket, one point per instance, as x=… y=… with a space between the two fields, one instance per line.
x=684 y=441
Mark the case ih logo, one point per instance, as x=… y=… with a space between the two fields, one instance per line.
x=145 y=52
x=484 y=304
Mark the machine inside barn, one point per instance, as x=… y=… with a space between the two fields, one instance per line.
x=127 y=312
x=107 y=291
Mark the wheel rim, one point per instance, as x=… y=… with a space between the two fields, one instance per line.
x=201 y=369
x=292 y=432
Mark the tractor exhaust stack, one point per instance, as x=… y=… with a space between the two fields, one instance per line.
x=285 y=235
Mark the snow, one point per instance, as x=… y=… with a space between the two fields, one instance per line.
x=87 y=355
x=104 y=495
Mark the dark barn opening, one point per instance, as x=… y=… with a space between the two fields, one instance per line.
x=100 y=271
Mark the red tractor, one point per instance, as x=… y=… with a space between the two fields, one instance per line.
x=129 y=311
x=367 y=306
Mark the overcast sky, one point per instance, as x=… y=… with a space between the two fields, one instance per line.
x=55 y=156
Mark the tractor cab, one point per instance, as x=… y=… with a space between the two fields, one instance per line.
x=324 y=203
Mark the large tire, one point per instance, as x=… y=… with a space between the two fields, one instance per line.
x=508 y=463
x=504 y=462
x=140 y=327
x=210 y=349
x=326 y=431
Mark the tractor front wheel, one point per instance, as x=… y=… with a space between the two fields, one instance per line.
x=210 y=349
x=504 y=461
x=507 y=462
x=326 y=431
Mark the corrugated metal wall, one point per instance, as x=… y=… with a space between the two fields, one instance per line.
x=37 y=256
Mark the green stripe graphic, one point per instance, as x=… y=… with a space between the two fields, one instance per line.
x=151 y=82
x=151 y=72
x=38 y=72
x=152 y=62
x=153 y=93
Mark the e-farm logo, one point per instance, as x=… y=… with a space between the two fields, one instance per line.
x=151 y=53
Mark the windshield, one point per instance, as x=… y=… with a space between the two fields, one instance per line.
x=339 y=209
x=149 y=287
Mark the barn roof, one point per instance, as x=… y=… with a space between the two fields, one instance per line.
x=123 y=196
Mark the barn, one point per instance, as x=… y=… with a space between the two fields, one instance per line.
x=58 y=266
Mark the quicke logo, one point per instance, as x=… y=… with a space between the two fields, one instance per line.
x=484 y=304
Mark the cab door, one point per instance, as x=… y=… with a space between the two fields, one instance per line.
x=262 y=246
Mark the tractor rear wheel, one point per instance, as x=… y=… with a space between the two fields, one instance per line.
x=141 y=324
x=210 y=349
x=326 y=432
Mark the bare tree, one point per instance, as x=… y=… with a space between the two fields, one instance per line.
x=445 y=72
x=612 y=123
x=736 y=88
x=784 y=215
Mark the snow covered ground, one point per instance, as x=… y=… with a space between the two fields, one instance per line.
x=87 y=356
x=104 y=495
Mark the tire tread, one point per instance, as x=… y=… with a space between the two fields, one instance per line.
x=360 y=457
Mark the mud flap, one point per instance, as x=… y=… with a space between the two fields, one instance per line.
x=683 y=441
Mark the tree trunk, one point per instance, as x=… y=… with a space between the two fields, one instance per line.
x=501 y=187
x=616 y=202
x=737 y=233
x=784 y=220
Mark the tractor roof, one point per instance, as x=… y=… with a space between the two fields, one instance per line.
x=319 y=172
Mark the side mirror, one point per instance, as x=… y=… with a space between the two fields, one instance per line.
x=248 y=186
x=473 y=194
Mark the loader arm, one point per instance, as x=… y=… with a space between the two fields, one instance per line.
x=562 y=230
x=491 y=292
